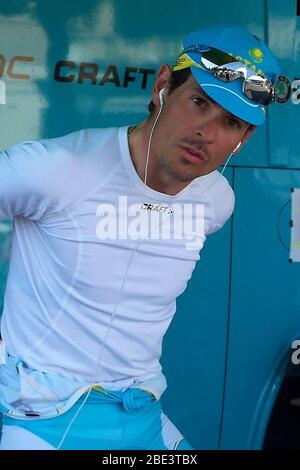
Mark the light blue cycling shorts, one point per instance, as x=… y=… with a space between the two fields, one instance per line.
x=108 y=420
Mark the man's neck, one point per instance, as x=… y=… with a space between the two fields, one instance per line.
x=157 y=179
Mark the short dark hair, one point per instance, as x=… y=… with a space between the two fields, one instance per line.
x=176 y=79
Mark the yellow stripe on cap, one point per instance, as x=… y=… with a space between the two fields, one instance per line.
x=183 y=62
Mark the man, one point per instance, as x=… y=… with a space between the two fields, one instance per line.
x=91 y=292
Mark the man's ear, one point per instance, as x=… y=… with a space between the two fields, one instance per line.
x=249 y=132
x=161 y=81
x=251 y=128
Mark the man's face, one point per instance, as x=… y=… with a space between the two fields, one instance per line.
x=194 y=135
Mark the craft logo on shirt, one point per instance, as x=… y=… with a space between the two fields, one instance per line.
x=144 y=221
x=157 y=208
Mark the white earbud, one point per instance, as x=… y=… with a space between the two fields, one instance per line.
x=237 y=147
x=161 y=97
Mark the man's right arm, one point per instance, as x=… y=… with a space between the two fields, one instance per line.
x=23 y=181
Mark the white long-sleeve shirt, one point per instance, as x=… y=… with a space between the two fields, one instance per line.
x=71 y=250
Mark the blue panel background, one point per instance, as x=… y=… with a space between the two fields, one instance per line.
x=265 y=295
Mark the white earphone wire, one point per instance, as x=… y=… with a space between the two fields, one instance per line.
x=149 y=143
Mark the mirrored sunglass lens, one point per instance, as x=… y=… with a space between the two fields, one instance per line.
x=261 y=96
x=218 y=57
x=224 y=74
x=257 y=78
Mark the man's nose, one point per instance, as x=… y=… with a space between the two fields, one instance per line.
x=208 y=126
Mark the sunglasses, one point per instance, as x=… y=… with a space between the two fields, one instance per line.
x=226 y=68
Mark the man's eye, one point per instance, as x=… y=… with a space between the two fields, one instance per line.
x=233 y=122
x=198 y=100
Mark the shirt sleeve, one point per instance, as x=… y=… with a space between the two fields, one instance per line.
x=223 y=201
x=24 y=187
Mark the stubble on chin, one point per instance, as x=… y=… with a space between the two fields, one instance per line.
x=181 y=174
